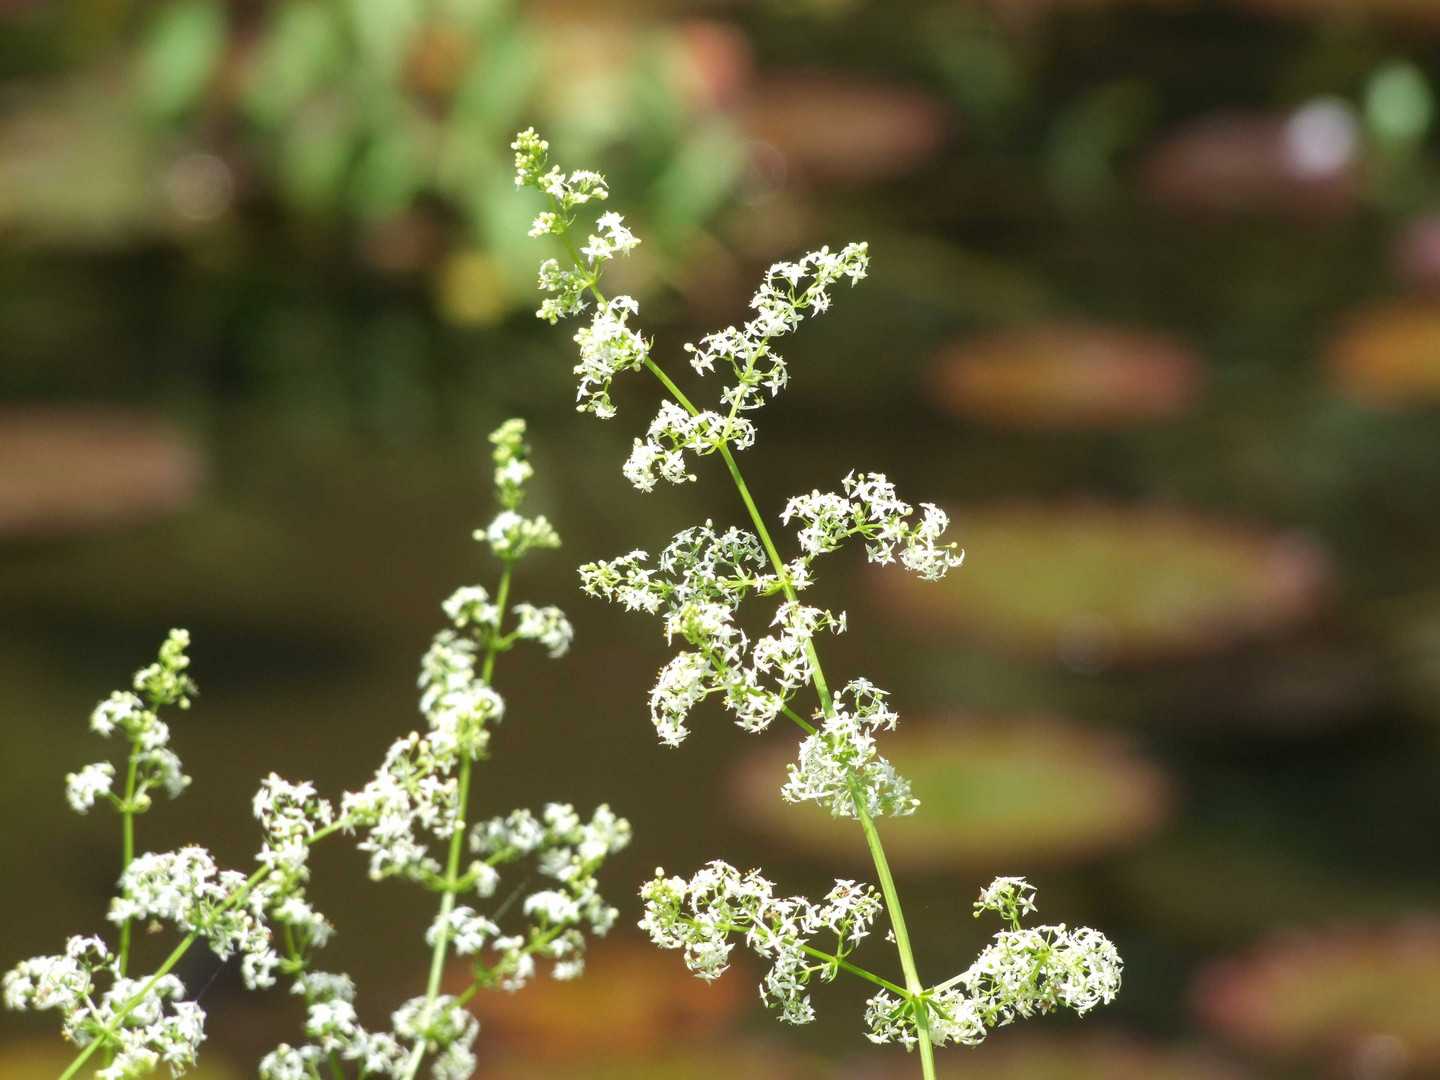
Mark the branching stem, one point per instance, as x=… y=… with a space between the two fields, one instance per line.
x=822 y=689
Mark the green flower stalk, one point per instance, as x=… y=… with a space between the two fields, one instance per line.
x=698 y=585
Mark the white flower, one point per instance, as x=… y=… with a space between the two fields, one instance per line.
x=466 y=930
x=683 y=683
x=699 y=916
x=608 y=346
x=547 y=625
x=870 y=509
x=1011 y=897
x=1022 y=972
x=614 y=239
x=84 y=787
x=779 y=305
x=471 y=606
x=511 y=535
x=840 y=760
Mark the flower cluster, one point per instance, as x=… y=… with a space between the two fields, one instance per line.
x=511 y=535
x=568 y=192
x=839 y=764
x=141 y=1023
x=1021 y=973
x=869 y=508
x=567 y=850
x=291 y=818
x=697 y=586
x=331 y=1020
x=699 y=916
x=608 y=345
x=661 y=454
x=789 y=289
x=163 y=683
x=187 y=888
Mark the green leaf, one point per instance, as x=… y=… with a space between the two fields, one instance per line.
x=314 y=156
x=180 y=57
x=303 y=51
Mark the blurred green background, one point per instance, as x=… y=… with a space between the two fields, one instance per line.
x=1154 y=312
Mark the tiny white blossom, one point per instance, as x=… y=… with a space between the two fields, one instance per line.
x=699 y=915
x=547 y=625
x=91 y=782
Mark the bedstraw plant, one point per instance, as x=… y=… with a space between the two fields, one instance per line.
x=698 y=585
x=411 y=820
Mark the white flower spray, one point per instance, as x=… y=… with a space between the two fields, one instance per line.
x=697 y=586
x=411 y=821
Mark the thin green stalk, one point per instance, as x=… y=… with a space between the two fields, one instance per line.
x=831 y=958
x=897 y=925
x=800 y=721
x=855 y=969
x=450 y=885
x=127 y=828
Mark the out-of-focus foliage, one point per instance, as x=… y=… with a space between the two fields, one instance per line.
x=389 y=118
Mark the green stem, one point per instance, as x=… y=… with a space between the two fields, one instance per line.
x=897 y=925
x=856 y=970
x=502 y=597
x=450 y=885
x=800 y=721
x=829 y=958
x=127 y=828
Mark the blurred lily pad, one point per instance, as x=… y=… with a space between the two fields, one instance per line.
x=633 y=1001
x=1068 y=376
x=1302 y=164
x=1390 y=355
x=1346 y=992
x=753 y=1061
x=1027 y=1055
x=1013 y=790
x=1090 y=583
x=66 y=470
x=844 y=129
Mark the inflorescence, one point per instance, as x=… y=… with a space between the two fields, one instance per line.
x=411 y=821
x=697 y=587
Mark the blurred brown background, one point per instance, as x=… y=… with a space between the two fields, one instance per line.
x=1154 y=312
